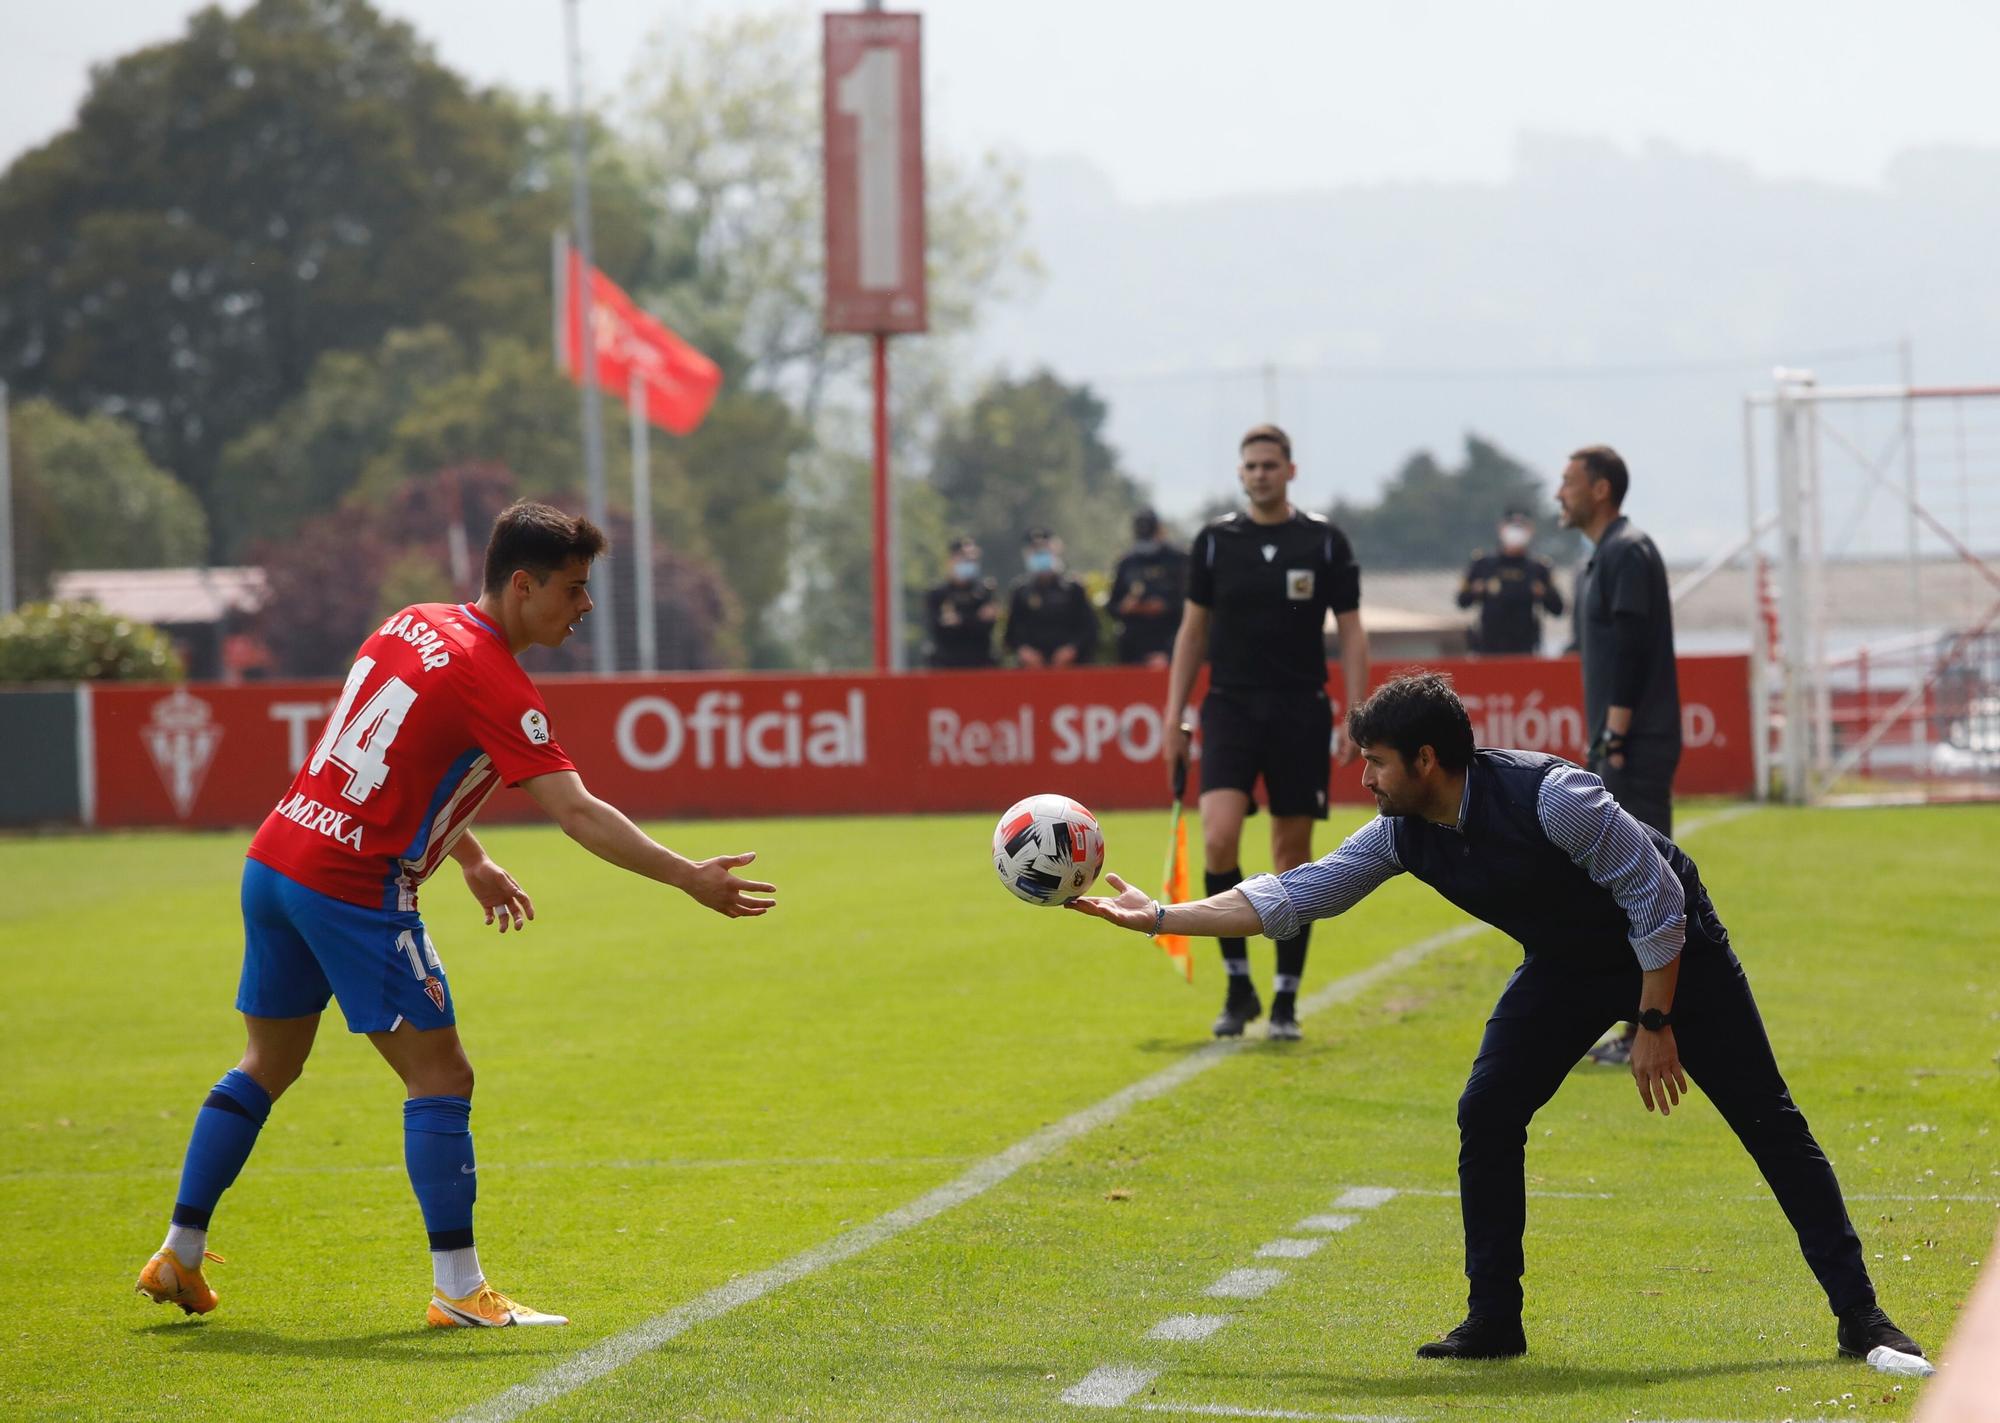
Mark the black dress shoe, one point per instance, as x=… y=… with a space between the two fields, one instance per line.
x=1480 y=1337
x=1862 y=1330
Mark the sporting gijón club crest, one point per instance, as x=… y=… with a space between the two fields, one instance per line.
x=181 y=737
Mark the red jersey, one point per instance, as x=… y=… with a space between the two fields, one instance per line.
x=436 y=714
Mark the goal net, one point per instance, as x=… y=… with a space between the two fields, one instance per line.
x=1874 y=530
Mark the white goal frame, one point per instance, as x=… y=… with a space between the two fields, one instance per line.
x=1824 y=733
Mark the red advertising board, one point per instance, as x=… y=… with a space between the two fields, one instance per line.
x=874 y=107
x=781 y=745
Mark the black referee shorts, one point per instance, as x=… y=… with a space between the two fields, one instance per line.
x=1285 y=737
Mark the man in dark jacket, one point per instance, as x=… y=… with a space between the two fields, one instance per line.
x=1613 y=919
x=1147 y=591
x=960 y=612
x=1511 y=588
x=1050 y=622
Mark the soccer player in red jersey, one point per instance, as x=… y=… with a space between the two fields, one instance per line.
x=435 y=715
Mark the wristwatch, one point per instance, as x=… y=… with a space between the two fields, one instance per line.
x=1652 y=1020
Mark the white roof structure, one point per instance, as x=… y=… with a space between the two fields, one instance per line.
x=166 y=595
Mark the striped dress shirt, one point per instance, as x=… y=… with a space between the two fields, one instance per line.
x=1576 y=813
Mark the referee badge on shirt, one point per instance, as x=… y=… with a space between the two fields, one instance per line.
x=1298 y=584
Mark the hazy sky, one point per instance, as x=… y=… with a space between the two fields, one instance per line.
x=1177 y=100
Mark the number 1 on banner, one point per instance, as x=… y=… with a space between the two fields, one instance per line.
x=361 y=746
x=871 y=94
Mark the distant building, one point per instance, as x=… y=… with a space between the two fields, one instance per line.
x=208 y=612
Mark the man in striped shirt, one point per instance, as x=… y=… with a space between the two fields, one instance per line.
x=1614 y=922
x=435 y=715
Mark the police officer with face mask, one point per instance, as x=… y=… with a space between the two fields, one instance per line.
x=959 y=613
x=1147 y=590
x=1050 y=622
x=1512 y=589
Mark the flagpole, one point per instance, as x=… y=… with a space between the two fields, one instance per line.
x=883 y=659
x=6 y=511
x=642 y=522
x=602 y=623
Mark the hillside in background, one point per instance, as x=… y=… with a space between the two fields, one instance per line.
x=1401 y=316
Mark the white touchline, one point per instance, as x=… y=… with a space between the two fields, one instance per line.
x=1286 y=1249
x=1245 y=1284
x=1364 y=1198
x=642 y=1338
x=1188 y=1328
x=1326 y=1222
x=1108 y=1387
x=1223 y=1410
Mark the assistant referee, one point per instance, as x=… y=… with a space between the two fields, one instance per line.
x=1260 y=584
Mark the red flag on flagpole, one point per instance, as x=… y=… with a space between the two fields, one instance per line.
x=679 y=381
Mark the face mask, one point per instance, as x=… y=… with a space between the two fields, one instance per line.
x=965 y=570
x=1041 y=561
x=1514 y=538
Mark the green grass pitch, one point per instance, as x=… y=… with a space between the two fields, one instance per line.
x=668 y=1100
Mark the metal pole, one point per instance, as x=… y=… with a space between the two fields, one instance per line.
x=642 y=523
x=1760 y=648
x=6 y=511
x=882 y=582
x=1913 y=548
x=1791 y=626
x=603 y=624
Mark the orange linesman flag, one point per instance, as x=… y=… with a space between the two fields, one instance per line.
x=1174 y=879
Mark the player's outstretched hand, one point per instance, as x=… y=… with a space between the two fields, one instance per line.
x=1656 y=1067
x=716 y=885
x=1132 y=909
x=499 y=895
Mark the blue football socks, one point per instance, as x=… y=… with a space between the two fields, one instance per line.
x=224 y=1131
x=437 y=1149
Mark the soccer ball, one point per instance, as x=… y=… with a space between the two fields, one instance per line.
x=1047 y=849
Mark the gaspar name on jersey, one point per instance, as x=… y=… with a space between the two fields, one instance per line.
x=420 y=635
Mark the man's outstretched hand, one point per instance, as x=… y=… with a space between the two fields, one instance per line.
x=714 y=884
x=499 y=894
x=1132 y=909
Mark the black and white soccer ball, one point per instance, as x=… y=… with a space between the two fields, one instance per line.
x=1048 y=849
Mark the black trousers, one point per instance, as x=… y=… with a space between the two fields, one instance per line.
x=1550 y=1011
x=1644 y=785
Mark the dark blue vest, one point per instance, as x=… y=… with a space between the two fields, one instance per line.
x=1503 y=869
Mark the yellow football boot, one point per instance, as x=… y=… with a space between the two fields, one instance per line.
x=484 y=1308
x=167 y=1280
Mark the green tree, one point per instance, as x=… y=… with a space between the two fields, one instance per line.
x=80 y=642
x=295 y=179
x=1031 y=453
x=307 y=457
x=1429 y=516
x=829 y=613
x=86 y=496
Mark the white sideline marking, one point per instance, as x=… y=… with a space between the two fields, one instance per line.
x=1223 y=1410
x=1285 y=1249
x=1443 y=1193
x=1364 y=1198
x=1188 y=1328
x=1244 y=1284
x=1108 y=1387
x=642 y=1338
x=1326 y=1222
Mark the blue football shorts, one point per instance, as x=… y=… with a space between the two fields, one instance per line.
x=301 y=947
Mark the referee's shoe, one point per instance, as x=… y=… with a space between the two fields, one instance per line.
x=1239 y=1010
